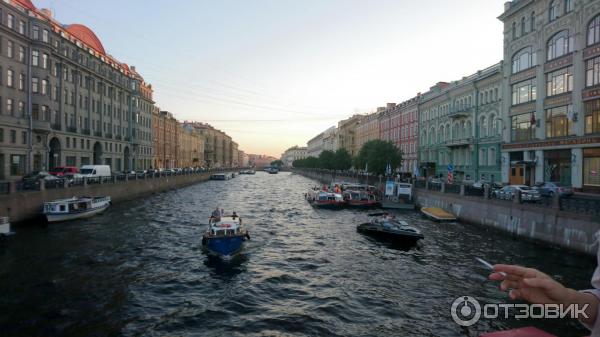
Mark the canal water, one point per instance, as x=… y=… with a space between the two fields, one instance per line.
x=139 y=270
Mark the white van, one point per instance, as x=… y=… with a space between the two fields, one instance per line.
x=92 y=171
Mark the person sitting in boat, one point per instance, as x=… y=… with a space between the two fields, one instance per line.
x=216 y=214
x=234 y=215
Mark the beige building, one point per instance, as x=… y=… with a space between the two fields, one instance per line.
x=190 y=147
x=367 y=129
x=165 y=133
x=218 y=146
x=347 y=137
x=291 y=154
x=324 y=141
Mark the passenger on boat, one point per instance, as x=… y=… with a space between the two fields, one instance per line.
x=216 y=214
x=234 y=215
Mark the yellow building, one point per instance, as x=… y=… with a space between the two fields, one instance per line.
x=367 y=129
x=347 y=134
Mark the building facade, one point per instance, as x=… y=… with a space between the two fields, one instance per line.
x=399 y=124
x=552 y=92
x=64 y=100
x=190 y=147
x=219 y=149
x=460 y=128
x=367 y=129
x=324 y=141
x=165 y=135
x=291 y=154
x=347 y=134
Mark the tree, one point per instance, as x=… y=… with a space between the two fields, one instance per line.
x=378 y=154
x=326 y=160
x=277 y=163
x=342 y=160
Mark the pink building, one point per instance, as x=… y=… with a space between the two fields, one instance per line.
x=399 y=124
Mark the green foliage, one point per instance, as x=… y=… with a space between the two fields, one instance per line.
x=326 y=160
x=377 y=154
x=277 y=163
x=342 y=160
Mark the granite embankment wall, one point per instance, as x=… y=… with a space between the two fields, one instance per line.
x=569 y=229
x=27 y=205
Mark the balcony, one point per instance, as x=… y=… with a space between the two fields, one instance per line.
x=56 y=126
x=98 y=133
x=108 y=135
x=460 y=112
x=459 y=142
x=71 y=129
x=86 y=131
x=118 y=137
x=41 y=126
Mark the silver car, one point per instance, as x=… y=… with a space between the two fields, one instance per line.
x=510 y=193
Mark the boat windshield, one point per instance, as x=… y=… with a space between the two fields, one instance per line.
x=87 y=171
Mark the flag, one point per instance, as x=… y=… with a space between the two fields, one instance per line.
x=570 y=113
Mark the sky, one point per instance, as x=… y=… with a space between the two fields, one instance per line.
x=275 y=73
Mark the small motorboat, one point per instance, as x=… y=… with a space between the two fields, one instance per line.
x=247 y=172
x=220 y=176
x=437 y=214
x=225 y=235
x=360 y=199
x=75 y=208
x=389 y=228
x=323 y=199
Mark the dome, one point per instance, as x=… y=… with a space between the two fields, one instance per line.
x=86 y=36
x=26 y=3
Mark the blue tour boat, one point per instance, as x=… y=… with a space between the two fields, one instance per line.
x=225 y=235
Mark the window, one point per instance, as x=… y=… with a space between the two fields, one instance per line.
x=36 y=32
x=553 y=10
x=45 y=61
x=521 y=127
x=17 y=164
x=21 y=109
x=9 y=106
x=560 y=44
x=593 y=32
x=483 y=127
x=559 y=81
x=483 y=157
x=568 y=6
x=514 y=30
x=524 y=59
x=9 y=49
x=10 y=80
x=35 y=58
x=492 y=156
x=21 y=81
x=35 y=85
x=13 y=136
x=22 y=27
x=523 y=26
x=24 y=137
x=11 y=21
x=592 y=116
x=558 y=123
x=1 y=135
x=21 y=54
x=532 y=22
x=45 y=35
x=524 y=92
x=44 y=87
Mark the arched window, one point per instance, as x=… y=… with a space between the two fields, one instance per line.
x=532 y=22
x=483 y=127
x=448 y=132
x=492 y=156
x=463 y=131
x=441 y=133
x=523 y=27
x=514 y=30
x=482 y=157
x=493 y=124
x=432 y=136
x=593 y=33
x=553 y=10
x=495 y=94
x=568 y=6
x=560 y=44
x=524 y=59
x=485 y=101
x=469 y=101
x=469 y=129
x=455 y=131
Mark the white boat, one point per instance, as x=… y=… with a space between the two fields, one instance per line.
x=75 y=208
x=220 y=176
x=5 y=226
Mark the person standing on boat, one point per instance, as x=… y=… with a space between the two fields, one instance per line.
x=536 y=287
x=216 y=214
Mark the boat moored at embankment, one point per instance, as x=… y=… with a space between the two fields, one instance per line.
x=325 y=200
x=75 y=208
x=221 y=176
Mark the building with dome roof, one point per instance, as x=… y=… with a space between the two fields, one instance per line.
x=64 y=100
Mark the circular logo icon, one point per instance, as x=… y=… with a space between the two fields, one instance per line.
x=465 y=311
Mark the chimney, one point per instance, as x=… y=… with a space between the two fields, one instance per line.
x=391 y=105
x=507 y=5
x=47 y=12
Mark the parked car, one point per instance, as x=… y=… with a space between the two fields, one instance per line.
x=60 y=171
x=93 y=171
x=552 y=188
x=31 y=181
x=510 y=192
